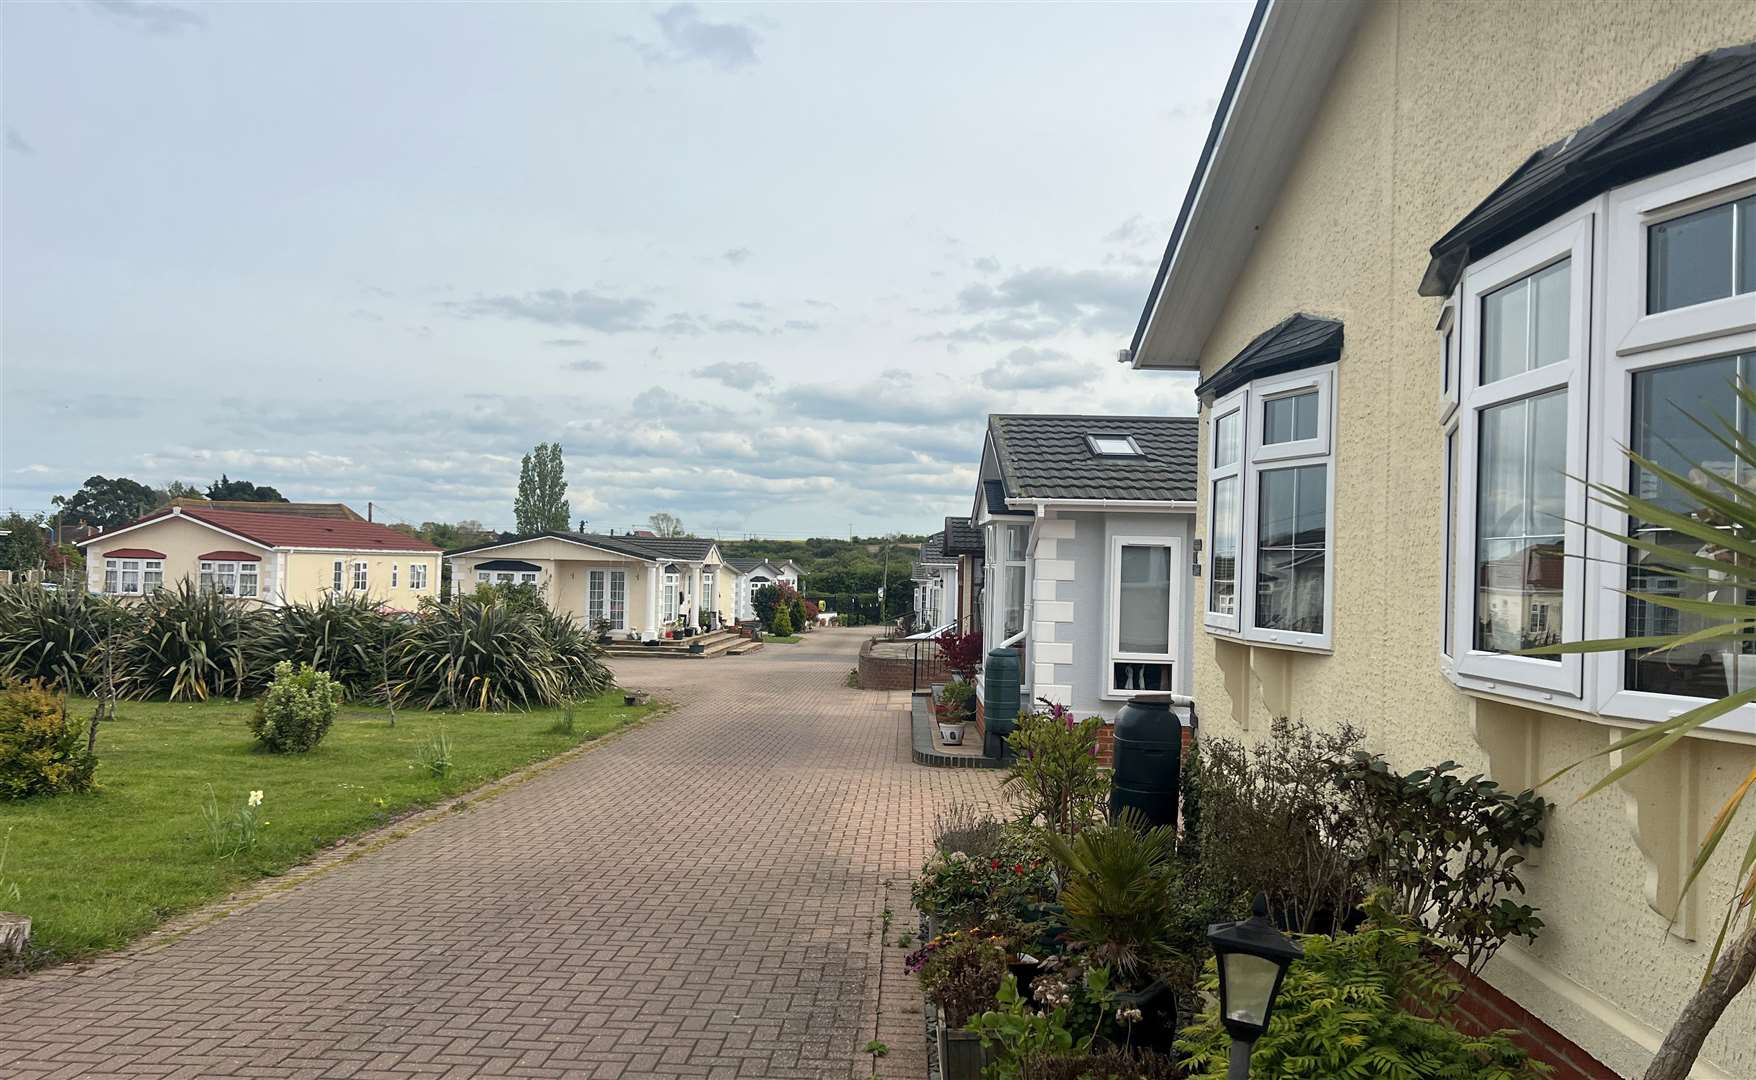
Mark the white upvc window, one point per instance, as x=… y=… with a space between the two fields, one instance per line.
x=670 y=603
x=1679 y=328
x=417 y=576
x=1279 y=589
x=337 y=579
x=393 y=575
x=707 y=603
x=152 y=575
x=618 y=612
x=607 y=598
x=1144 y=599
x=247 y=579
x=360 y=576
x=222 y=578
x=1225 y=510
x=1447 y=343
x=122 y=577
x=1520 y=579
x=1010 y=544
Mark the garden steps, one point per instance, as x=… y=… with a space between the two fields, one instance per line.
x=745 y=648
x=716 y=643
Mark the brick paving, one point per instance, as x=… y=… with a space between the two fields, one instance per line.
x=700 y=897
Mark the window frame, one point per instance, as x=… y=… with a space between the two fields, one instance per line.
x=1636 y=342
x=338 y=577
x=1113 y=651
x=1091 y=442
x=361 y=580
x=1320 y=380
x=417 y=577
x=1450 y=373
x=154 y=569
x=393 y=567
x=115 y=571
x=1567 y=237
x=1236 y=403
x=1003 y=570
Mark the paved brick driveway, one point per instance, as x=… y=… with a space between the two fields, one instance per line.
x=698 y=898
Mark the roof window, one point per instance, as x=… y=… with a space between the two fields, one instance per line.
x=1113 y=445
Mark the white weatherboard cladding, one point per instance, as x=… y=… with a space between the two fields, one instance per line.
x=1087 y=593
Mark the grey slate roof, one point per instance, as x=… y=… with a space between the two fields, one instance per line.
x=1296 y=342
x=1705 y=107
x=933 y=549
x=962 y=538
x=678 y=547
x=1047 y=457
x=744 y=566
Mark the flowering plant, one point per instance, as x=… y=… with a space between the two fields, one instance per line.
x=965 y=892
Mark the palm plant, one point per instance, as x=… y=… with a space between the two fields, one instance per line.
x=482 y=654
x=1116 y=890
x=578 y=658
x=342 y=636
x=188 y=644
x=1721 y=558
x=50 y=635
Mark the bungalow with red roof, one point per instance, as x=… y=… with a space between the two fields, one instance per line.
x=276 y=558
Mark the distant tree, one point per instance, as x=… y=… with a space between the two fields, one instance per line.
x=109 y=503
x=663 y=524
x=177 y=489
x=24 y=547
x=450 y=535
x=541 y=505
x=242 y=491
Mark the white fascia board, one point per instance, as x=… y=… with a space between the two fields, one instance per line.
x=1165 y=506
x=1263 y=133
x=179 y=517
x=531 y=539
x=358 y=551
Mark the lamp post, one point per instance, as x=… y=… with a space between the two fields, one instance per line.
x=1252 y=958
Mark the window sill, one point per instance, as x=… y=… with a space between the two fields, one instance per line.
x=1575 y=709
x=1263 y=643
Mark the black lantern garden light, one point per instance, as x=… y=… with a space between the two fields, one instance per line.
x=1252 y=958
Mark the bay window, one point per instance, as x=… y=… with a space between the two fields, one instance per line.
x=1013 y=540
x=1622 y=325
x=1271 y=485
x=1144 y=599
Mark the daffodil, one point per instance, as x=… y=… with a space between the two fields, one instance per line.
x=256 y=798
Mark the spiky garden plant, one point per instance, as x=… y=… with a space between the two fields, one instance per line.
x=342 y=637
x=578 y=658
x=1722 y=525
x=1115 y=887
x=51 y=634
x=479 y=654
x=189 y=645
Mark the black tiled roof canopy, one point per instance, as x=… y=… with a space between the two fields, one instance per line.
x=962 y=538
x=1296 y=342
x=509 y=564
x=1050 y=457
x=689 y=549
x=1705 y=107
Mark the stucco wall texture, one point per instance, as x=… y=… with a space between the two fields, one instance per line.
x=1432 y=107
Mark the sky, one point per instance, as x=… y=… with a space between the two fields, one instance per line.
x=764 y=267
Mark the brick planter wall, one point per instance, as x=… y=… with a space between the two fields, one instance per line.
x=1482 y=1009
x=898 y=673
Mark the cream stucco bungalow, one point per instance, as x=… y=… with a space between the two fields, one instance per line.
x=749 y=575
x=266 y=555
x=1438 y=265
x=640 y=585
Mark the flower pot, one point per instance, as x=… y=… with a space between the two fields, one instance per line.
x=696 y=648
x=951 y=734
x=961 y=1056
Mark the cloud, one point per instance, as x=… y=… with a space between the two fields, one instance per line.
x=151 y=18
x=17 y=143
x=803 y=325
x=735 y=326
x=687 y=36
x=737 y=256
x=365 y=316
x=1026 y=368
x=987 y=264
x=895 y=397
x=740 y=375
x=556 y=307
x=584 y=364
x=564 y=342
x=1042 y=301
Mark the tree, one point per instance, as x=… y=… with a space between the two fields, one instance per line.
x=241 y=491
x=664 y=524
x=177 y=489
x=1718 y=553
x=24 y=546
x=541 y=505
x=109 y=503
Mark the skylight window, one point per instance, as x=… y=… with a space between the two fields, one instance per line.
x=1113 y=445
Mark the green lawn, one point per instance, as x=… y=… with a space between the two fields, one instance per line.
x=95 y=871
x=783 y=639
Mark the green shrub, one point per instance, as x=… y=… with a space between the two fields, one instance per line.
x=1000 y=891
x=51 y=634
x=1105 y=1063
x=783 y=623
x=41 y=753
x=190 y=645
x=959 y=698
x=295 y=713
x=485 y=654
x=800 y=621
x=1363 y=1004
x=345 y=637
x=1056 y=778
x=1116 y=885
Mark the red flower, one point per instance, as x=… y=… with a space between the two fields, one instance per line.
x=994 y=864
x=1018 y=868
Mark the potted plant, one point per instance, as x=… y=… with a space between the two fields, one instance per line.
x=956 y=703
x=961 y=981
x=602 y=628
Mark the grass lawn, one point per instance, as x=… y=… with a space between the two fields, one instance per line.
x=783 y=639
x=95 y=871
